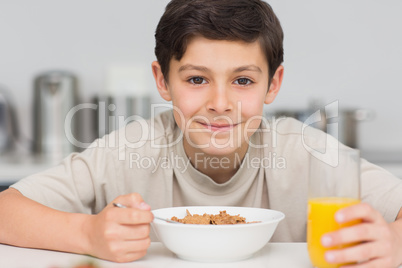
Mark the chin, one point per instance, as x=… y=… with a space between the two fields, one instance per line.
x=220 y=144
x=220 y=151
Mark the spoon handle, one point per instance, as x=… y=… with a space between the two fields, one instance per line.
x=118 y=205
x=167 y=220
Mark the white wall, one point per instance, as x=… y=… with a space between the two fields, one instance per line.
x=349 y=51
x=343 y=50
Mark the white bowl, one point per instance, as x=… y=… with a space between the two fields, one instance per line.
x=216 y=243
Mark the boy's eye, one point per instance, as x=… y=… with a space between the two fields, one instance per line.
x=243 y=81
x=197 y=80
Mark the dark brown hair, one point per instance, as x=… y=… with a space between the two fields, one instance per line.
x=246 y=20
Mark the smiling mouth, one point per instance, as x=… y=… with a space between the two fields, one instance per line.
x=218 y=127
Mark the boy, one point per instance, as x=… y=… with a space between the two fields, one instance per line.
x=218 y=62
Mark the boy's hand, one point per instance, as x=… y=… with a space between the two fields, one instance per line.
x=121 y=234
x=380 y=242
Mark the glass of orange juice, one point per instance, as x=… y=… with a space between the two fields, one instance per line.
x=334 y=183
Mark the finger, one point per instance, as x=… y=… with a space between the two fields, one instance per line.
x=361 y=211
x=356 y=233
x=133 y=200
x=136 y=216
x=358 y=253
x=136 y=232
x=130 y=216
x=132 y=256
x=375 y=263
x=137 y=245
x=130 y=250
x=128 y=232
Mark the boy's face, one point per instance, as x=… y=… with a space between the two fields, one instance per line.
x=218 y=90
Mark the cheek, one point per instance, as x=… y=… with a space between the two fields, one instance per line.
x=185 y=106
x=251 y=111
x=252 y=105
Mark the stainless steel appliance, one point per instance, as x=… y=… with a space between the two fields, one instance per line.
x=114 y=112
x=8 y=122
x=55 y=94
x=346 y=120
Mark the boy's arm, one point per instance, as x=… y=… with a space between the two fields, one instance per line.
x=114 y=234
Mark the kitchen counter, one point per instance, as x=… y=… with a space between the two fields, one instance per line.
x=394 y=168
x=272 y=255
x=278 y=255
x=14 y=167
x=389 y=160
x=391 y=157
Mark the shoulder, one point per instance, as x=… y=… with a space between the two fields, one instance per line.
x=145 y=137
x=160 y=129
x=287 y=135
x=288 y=129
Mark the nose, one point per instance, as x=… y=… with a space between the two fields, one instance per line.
x=220 y=100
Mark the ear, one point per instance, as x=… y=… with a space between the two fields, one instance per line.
x=275 y=85
x=160 y=81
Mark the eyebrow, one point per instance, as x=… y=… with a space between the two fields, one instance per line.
x=193 y=67
x=251 y=67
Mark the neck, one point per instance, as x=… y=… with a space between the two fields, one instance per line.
x=219 y=168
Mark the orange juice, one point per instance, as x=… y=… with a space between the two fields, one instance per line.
x=321 y=220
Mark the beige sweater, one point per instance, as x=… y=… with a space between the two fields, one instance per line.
x=149 y=159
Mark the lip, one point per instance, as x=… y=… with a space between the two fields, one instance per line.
x=218 y=126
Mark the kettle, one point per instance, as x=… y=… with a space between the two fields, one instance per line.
x=8 y=123
x=55 y=94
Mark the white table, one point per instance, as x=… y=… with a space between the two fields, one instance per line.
x=277 y=255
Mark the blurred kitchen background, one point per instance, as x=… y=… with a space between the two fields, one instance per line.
x=54 y=54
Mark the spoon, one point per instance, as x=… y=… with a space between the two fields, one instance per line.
x=118 y=205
